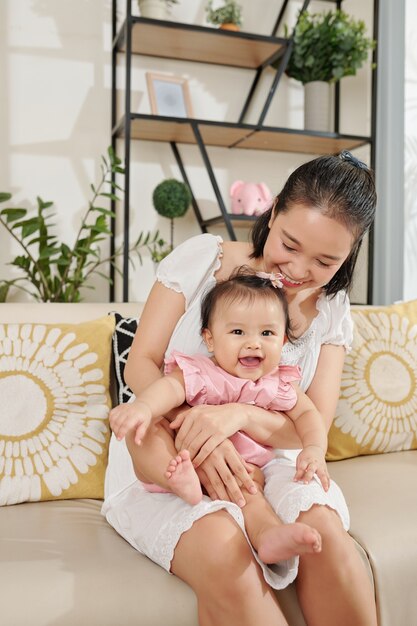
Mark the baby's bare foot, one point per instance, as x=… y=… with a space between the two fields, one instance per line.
x=283 y=542
x=183 y=479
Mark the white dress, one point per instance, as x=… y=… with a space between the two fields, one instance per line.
x=153 y=522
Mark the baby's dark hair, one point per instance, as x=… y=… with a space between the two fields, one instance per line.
x=243 y=285
x=343 y=188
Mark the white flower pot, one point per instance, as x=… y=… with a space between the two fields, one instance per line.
x=317 y=106
x=156 y=9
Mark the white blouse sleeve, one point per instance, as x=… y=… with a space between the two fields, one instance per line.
x=337 y=324
x=190 y=264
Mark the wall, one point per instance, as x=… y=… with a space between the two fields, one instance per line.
x=55 y=121
x=410 y=141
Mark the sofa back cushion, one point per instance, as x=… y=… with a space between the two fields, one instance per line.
x=54 y=390
x=377 y=409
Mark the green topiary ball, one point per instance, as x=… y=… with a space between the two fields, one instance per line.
x=171 y=198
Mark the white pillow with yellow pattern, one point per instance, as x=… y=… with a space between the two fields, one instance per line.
x=377 y=409
x=54 y=405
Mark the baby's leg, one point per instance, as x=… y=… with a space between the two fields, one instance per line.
x=273 y=540
x=157 y=461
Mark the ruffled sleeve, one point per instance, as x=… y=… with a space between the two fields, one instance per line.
x=194 y=377
x=205 y=382
x=186 y=269
x=336 y=323
x=285 y=397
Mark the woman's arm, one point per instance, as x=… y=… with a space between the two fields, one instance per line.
x=203 y=428
x=160 y=315
x=325 y=387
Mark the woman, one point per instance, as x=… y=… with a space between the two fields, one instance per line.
x=311 y=236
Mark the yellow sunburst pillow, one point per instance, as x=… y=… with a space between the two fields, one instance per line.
x=54 y=405
x=377 y=409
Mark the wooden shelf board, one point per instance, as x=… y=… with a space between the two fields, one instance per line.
x=154 y=128
x=237 y=220
x=244 y=136
x=188 y=42
x=285 y=140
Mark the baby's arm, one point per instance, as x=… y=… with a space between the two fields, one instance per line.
x=311 y=429
x=161 y=396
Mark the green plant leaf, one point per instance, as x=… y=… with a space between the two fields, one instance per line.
x=327 y=46
x=104 y=211
x=112 y=196
x=21 y=261
x=48 y=251
x=12 y=215
x=4 y=196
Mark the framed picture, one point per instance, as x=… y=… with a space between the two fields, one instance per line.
x=169 y=95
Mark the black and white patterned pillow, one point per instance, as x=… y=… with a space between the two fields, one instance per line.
x=122 y=340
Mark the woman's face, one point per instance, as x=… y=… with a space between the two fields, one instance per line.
x=306 y=247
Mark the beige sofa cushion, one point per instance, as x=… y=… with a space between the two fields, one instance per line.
x=62 y=564
x=381 y=494
x=65 y=553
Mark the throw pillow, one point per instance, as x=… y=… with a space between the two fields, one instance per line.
x=54 y=390
x=377 y=409
x=122 y=340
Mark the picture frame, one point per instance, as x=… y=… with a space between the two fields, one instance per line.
x=169 y=95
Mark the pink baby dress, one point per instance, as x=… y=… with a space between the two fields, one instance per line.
x=207 y=383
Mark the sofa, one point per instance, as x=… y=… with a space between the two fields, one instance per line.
x=61 y=564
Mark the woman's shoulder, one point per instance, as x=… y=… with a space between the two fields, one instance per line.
x=205 y=243
x=335 y=306
x=190 y=263
x=334 y=318
x=235 y=254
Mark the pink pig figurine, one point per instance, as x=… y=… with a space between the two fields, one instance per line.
x=249 y=198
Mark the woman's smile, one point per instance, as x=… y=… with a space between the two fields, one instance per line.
x=306 y=247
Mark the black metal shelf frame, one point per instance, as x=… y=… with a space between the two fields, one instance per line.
x=122 y=43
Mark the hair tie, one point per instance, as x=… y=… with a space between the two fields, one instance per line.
x=349 y=158
x=275 y=279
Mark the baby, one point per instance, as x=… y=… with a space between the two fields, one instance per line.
x=244 y=325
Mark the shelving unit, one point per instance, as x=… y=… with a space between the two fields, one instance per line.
x=186 y=42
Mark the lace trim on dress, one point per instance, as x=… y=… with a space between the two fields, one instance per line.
x=278 y=576
x=161 y=279
x=289 y=509
x=162 y=550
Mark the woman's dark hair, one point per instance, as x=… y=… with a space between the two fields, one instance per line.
x=243 y=285
x=343 y=188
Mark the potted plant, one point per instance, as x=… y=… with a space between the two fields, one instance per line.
x=155 y=9
x=326 y=47
x=228 y=16
x=53 y=271
x=171 y=199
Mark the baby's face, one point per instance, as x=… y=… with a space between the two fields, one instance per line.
x=246 y=337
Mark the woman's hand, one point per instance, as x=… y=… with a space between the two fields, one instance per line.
x=202 y=428
x=223 y=474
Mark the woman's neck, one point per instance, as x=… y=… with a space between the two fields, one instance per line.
x=302 y=308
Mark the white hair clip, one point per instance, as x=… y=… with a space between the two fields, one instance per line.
x=274 y=278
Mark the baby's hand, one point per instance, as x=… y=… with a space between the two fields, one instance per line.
x=310 y=461
x=125 y=417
